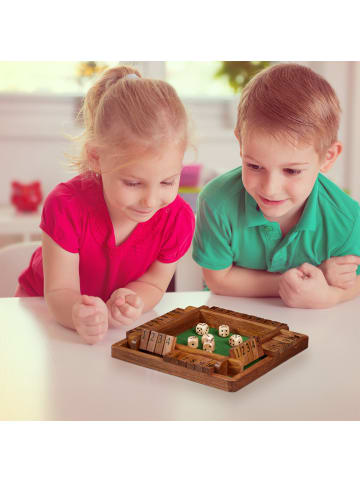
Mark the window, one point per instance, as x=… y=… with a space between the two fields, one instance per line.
x=197 y=79
x=190 y=79
x=44 y=78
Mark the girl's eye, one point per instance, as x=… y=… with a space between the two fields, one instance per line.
x=292 y=172
x=254 y=167
x=131 y=184
x=168 y=183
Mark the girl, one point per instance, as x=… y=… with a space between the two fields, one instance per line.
x=112 y=235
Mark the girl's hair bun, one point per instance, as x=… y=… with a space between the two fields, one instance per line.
x=123 y=109
x=112 y=76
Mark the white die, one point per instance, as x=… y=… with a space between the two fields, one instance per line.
x=235 y=340
x=202 y=329
x=193 y=341
x=224 y=330
x=207 y=337
x=209 y=346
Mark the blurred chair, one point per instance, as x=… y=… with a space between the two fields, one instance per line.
x=13 y=260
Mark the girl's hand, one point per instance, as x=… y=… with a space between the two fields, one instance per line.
x=124 y=306
x=306 y=287
x=90 y=318
x=341 y=271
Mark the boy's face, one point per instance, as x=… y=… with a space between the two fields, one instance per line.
x=278 y=175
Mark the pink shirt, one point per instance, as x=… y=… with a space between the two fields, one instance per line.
x=76 y=217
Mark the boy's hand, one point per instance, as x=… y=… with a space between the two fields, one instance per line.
x=124 y=306
x=306 y=287
x=90 y=318
x=341 y=271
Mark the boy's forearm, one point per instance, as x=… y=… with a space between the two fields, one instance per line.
x=150 y=294
x=341 y=295
x=61 y=303
x=247 y=282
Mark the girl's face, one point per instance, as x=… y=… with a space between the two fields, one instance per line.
x=144 y=185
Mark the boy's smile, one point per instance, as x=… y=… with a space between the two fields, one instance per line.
x=270 y=202
x=278 y=175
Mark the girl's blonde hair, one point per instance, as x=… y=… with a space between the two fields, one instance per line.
x=132 y=113
x=291 y=100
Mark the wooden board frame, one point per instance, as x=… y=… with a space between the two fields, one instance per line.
x=276 y=345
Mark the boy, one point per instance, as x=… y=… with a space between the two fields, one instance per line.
x=277 y=226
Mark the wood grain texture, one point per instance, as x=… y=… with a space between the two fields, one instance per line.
x=269 y=339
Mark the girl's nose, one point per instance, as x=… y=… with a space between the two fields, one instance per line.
x=150 y=199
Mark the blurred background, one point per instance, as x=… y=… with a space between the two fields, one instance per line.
x=39 y=102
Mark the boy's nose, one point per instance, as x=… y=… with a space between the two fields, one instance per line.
x=271 y=186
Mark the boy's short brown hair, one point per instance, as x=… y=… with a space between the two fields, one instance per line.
x=291 y=100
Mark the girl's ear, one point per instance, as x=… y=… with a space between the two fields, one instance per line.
x=93 y=157
x=331 y=155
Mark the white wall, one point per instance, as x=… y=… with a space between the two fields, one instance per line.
x=353 y=171
x=32 y=140
x=33 y=143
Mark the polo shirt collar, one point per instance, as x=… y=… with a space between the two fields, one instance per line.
x=254 y=216
x=308 y=218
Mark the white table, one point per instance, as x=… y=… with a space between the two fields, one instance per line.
x=48 y=373
x=14 y=222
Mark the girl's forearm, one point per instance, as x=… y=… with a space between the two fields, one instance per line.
x=61 y=303
x=246 y=282
x=149 y=293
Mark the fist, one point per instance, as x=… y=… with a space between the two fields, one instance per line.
x=306 y=287
x=341 y=271
x=90 y=318
x=124 y=307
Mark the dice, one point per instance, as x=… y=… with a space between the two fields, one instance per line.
x=209 y=346
x=202 y=329
x=224 y=330
x=235 y=340
x=193 y=341
x=207 y=337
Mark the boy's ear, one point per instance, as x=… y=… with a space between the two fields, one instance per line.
x=331 y=155
x=237 y=135
x=93 y=157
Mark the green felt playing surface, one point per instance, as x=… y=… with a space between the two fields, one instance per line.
x=222 y=346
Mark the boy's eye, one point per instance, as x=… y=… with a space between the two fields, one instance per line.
x=254 y=167
x=292 y=172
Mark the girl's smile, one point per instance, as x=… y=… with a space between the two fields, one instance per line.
x=136 y=191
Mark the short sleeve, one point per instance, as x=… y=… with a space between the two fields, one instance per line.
x=61 y=218
x=352 y=244
x=179 y=232
x=212 y=239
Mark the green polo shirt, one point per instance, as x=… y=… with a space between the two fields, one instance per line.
x=230 y=229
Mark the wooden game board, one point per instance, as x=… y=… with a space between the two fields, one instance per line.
x=153 y=345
